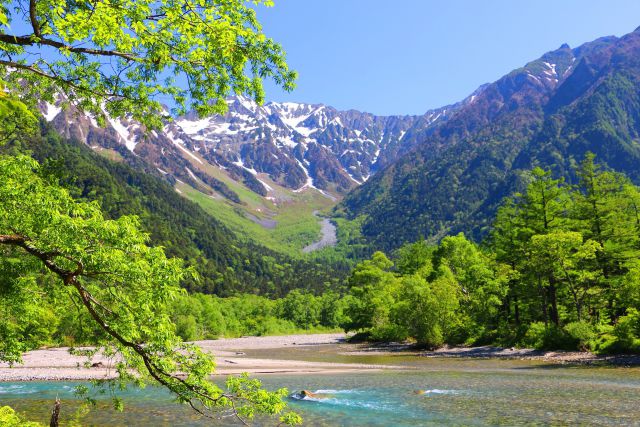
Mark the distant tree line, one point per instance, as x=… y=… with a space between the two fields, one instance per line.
x=561 y=269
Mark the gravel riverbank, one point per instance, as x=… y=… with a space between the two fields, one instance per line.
x=58 y=364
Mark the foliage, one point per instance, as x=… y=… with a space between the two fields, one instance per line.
x=435 y=296
x=582 y=333
x=199 y=316
x=558 y=271
x=106 y=267
x=17 y=121
x=120 y=58
x=9 y=418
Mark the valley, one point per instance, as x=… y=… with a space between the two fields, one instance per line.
x=165 y=220
x=260 y=170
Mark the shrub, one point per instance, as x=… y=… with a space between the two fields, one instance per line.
x=581 y=334
x=534 y=337
x=543 y=337
x=389 y=332
x=624 y=336
x=9 y=418
x=186 y=327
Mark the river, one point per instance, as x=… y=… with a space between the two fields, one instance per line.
x=454 y=392
x=327 y=233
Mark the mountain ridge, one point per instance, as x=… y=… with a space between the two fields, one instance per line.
x=296 y=145
x=455 y=178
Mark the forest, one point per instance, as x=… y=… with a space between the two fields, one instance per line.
x=559 y=270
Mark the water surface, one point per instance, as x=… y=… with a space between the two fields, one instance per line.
x=328 y=235
x=454 y=392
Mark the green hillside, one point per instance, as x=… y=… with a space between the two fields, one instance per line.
x=455 y=180
x=226 y=263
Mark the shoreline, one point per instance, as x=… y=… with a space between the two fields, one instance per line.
x=56 y=364
x=499 y=353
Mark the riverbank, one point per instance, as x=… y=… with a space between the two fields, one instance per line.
x=328 y=235
x=233 y=356
x=57 y=364
x=492 y=352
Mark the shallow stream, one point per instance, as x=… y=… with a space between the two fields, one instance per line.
x=452 y=392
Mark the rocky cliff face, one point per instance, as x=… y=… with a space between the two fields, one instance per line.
x=296 y=145
x=301 y=145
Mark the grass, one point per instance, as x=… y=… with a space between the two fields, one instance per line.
x=296 y=226
x=110 y=154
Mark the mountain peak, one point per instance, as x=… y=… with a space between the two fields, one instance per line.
x=565 y=46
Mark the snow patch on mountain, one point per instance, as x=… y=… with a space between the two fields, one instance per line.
x=128 y=139
x=51 y=112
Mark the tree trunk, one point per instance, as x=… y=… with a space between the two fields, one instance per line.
x=55 y=414
x=553 y=300
x=579 y=310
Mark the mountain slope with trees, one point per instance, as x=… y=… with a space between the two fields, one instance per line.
x=226 y=263
x=548 y=113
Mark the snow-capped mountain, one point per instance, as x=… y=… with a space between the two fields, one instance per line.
x=299 y=144
x=296 y=145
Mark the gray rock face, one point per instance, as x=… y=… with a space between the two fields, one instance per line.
x=306 y=144
x=296 y=145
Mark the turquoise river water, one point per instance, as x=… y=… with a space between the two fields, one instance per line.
x=456 y=392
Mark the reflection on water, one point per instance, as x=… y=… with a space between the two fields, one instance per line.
x=433 y=392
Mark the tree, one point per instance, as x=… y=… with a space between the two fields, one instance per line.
x=565 y=256
x=543 y=205
x=54 y=247
x=414 y=257
x=508 y=241
x=481 y=281
x=122 y=57
x=427 y=310
x=540 y=210
x=302 y=308
x=374 y=290
x=605 y=210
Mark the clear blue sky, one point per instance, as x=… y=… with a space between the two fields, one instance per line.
x=406 y=56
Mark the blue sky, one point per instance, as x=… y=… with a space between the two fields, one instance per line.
x=406 y=56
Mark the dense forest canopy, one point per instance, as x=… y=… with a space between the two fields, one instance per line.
x=559 y=270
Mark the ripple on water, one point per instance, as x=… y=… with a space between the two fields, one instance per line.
x=439 y=391
x=17 y=389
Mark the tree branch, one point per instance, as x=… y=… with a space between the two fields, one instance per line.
x=57 y=79
x=35 y=39
x=71 y=278
x=34 y=19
